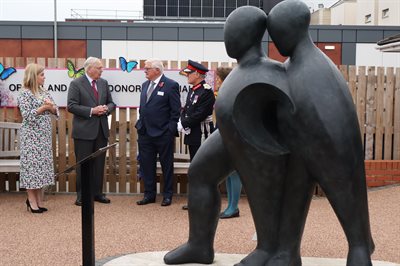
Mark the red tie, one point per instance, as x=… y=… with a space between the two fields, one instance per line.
x=96 y=94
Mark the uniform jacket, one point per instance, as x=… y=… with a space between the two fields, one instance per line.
x=199 y=105
x=80 y=101
x=161 y=113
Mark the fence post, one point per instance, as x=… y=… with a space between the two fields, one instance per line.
x=370 y=117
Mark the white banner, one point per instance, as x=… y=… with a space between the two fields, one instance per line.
x=125 y=87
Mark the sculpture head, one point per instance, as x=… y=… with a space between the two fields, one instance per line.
x=288 y=24
x=244 y=28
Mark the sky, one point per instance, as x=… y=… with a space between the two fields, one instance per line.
x=43 y=10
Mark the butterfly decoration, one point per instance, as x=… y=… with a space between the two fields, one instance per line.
x=72 y=72
x=6 y=72
x=127 y=66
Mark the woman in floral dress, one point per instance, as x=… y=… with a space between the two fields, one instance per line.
x=36 y=106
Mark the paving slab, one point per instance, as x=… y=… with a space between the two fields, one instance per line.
x=221 y=259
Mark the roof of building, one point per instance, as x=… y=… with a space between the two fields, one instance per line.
x=390 y=39
x=338 y=3
x=389 y=44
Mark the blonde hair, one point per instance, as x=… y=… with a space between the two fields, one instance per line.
x=30 y=82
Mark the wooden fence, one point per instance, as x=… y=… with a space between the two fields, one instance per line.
x=375 y=91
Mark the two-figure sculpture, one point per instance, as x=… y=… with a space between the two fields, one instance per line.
x=283 y=128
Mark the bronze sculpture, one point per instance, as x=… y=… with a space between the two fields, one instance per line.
x=283 y=128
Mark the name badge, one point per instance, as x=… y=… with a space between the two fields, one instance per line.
x=161 y=93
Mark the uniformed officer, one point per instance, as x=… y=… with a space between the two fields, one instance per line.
x=197 y=112
x=196 y=115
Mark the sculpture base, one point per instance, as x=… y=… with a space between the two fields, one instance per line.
x=221 y=259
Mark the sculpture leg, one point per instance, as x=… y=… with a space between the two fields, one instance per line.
x=264 y=189
x=210 y=165
x=345 y=187
x=298 y=191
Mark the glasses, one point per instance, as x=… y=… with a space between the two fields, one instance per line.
x=148 y=68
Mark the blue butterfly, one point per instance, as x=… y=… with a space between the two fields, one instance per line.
x=126 y=66
x=6 y=72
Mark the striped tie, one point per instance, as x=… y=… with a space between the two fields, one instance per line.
x=96 y=94
x=150 y=90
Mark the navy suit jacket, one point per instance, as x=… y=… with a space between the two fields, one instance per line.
x=161 y=113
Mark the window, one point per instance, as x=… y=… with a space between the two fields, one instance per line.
x=368 y=18
x=241 y=3
x=219 y=8
x=161 y=8
x=183 y=8
x=255 y=3
x=229 y=7
x=385 y=13
x=148 y=7
x=172 y=8
x=195 y=8
x=207 y=9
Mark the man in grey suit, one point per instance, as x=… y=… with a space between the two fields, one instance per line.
x=89 y=99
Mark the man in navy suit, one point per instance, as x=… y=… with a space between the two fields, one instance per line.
x=89 y=99
x=157 y=127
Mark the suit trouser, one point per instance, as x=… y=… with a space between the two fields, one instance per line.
x=193 y=150
x=84 y=148
x=149 y=147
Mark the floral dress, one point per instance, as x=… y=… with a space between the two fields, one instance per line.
x=37 y=168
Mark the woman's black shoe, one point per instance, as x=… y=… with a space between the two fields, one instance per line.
x=28 y=206
x=222 y=215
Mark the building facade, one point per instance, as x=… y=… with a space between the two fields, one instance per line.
x=201 y=41
x=343 y=12
x=378 y=12
x=198 y=9
x=321 y=17
x=364 y=12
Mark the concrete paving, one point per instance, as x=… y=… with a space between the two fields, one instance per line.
x=221 y=259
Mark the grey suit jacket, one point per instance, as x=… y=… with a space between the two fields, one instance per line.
x=80 y=100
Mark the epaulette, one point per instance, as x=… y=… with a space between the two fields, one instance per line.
x=206 y=86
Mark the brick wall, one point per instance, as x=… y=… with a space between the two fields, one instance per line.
x=379 y=173
x=382 y=172
x=42 y=48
